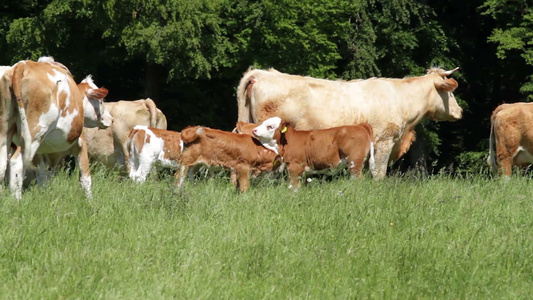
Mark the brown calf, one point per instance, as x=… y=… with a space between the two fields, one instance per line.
x=305 y=150
x=239 y=152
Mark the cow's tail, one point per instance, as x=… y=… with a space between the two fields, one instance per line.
x=132 y=142
x=244 y=92
x=152 y=108
x=191 y=134
x=491 y=160
x=371 y=151
x=16 y=85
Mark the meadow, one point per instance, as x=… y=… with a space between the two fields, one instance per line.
x=404 y=237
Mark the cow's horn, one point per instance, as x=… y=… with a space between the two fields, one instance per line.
x=451 y=71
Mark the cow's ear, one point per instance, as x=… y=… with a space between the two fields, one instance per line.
x=97 y=93
x=448 y=85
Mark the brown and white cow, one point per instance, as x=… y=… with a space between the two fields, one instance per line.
x=511 y=137
x=315 y=150
x=43 y=114
x=393 y=107
x=109 y=146
x=152 y=147
x=239 y=152
x=244 y=128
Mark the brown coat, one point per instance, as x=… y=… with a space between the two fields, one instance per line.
x=511 y=137
x=239 y=152
x=306 y=150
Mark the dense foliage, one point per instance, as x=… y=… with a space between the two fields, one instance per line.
x=189 y=55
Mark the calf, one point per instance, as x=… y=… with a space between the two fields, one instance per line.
x=109 y=146
x=304 y=150
x=239 y=152
x=244 y=128
x=150 y=146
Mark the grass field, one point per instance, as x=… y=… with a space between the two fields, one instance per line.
x=400 y=238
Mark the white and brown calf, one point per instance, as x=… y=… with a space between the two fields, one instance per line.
x=151 y=147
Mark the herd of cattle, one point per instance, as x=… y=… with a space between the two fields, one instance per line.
x=298 y=123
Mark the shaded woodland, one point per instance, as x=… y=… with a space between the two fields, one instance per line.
x=189 y=55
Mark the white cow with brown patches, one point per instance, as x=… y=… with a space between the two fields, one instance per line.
x=152 y=147
x=43 y=114
x=393 y=107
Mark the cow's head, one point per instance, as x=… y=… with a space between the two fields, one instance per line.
x=94 y=112
x=443 y=106
x=244 y=128
x=268 y=133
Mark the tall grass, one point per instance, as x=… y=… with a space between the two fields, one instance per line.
x=436 y=237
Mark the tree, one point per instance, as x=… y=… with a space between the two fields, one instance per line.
x=513 y=33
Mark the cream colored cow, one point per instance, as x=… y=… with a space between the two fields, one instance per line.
x=393 y=107
x=109 y=146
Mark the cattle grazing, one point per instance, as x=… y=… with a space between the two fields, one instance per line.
x=43 y=114
x=109 y=146
x=315 y=150
x=149 y=147
x=511 y=137
x=239 y=152
x=392 y=107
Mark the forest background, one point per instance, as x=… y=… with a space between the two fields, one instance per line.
x=188 y=56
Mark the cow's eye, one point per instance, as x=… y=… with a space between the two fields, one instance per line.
x=269 y=127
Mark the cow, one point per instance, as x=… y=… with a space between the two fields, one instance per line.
x=43 y=114
x=109 y=146
x=511 y=137
x=149 y=147
x=3 y=69
x=239 y=152
x=316 y=150
x=392 y=107
x=244 y=128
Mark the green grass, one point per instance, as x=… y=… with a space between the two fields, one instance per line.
x=399 y=238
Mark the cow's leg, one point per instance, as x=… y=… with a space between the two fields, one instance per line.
x=82 y=157
x=3 y=160
x=42 y=173
x=233 y=178
x=6 y=139
x=16 y=173
x=506 y=165
x=295 y=173
x=382 y=155
x=180 y=175
x=356 y=167
x=243 y=178
x=144 y=163
x=133 y=165
x=123 y=159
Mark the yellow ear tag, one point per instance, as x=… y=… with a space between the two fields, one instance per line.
x=284 y=129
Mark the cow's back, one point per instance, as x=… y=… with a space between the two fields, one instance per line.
x=512 y=123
